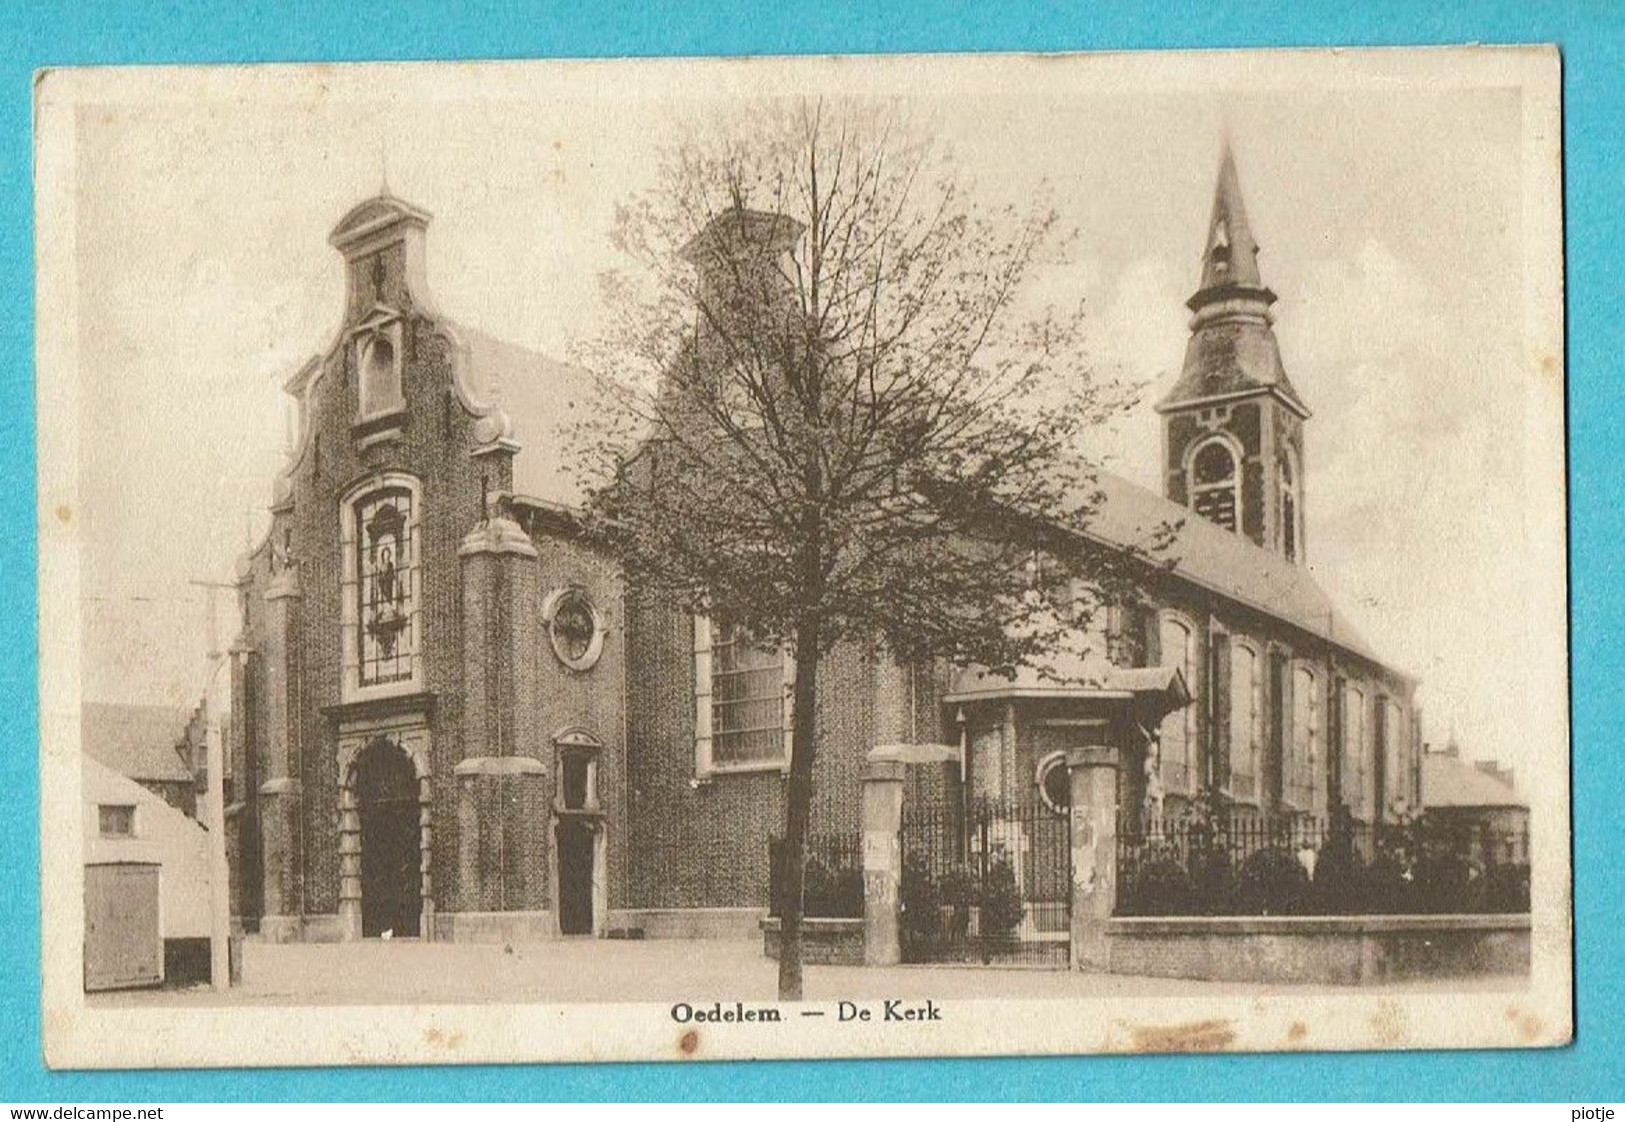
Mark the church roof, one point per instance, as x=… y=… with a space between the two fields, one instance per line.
x=1232 y=349
x=1220 y=561
x=544 y=398
x=138 y=741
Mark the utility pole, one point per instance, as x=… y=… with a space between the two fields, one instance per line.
x=219 y=870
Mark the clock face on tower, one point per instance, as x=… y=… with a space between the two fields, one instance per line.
x=575 y=628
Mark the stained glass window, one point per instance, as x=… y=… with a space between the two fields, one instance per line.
x=387 y=565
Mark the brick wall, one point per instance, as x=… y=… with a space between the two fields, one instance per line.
x=592 y=700
x=704 y=843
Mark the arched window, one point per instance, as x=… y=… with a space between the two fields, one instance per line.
x=1395 y=782
x=380 y=619
x=1178 y=642
x=387 y=561
x=1215 y=483
x=1303 y=786
x=1246 y=721
x=1291 y=532
x=380 y=377
x=1356 y=766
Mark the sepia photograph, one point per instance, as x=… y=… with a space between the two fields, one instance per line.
x=859 y=556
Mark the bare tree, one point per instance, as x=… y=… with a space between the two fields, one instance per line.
x=848 y=425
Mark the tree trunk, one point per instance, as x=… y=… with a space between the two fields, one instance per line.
x=797 y=809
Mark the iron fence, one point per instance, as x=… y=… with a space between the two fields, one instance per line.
x=832 y=886
x=1252 y=864
x=988 y=883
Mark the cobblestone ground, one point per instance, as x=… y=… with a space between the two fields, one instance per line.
x=654 y=970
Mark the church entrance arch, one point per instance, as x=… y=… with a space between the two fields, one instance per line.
x=391 y=840
x=385 y=835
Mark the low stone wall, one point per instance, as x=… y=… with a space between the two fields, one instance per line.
x=495 y=927
x=687 y=923
x=824 y=942
x=315 y=928
x=1326 y=950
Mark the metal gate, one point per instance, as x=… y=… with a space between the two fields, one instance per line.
x=989 y=883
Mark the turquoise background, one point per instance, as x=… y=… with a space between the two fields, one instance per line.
x=1593 y=42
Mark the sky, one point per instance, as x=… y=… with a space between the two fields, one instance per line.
x=1389 y=216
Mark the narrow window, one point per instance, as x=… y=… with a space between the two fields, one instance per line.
x=1355 y=764
x=1396 y=788
x=380 y=378
x=1289 y=510
x=1178 y=738
x=1246 y=722
x=1303 y=770
x=1214 y=489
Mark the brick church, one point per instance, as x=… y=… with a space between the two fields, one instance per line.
x=452 y=720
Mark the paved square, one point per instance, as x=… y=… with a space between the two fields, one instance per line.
x=664 y=970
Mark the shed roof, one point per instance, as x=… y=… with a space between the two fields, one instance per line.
x=1450 y=781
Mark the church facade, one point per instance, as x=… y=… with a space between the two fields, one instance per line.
x=452 y=719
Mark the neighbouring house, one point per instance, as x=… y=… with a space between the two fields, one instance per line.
x=147 y=743
x=146 y=885
x=1477 y=802
x=451 y=719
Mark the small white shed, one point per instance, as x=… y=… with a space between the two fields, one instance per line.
x=146 y=880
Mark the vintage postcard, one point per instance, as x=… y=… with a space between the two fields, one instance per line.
x=697 y=559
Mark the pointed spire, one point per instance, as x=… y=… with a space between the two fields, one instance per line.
x=1230 y=258
x=1232 y=349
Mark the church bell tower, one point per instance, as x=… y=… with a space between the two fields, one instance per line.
x=1233 y=424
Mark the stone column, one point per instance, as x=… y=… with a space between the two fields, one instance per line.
x=279 y=794
x=1093 y=772
x=882 y=862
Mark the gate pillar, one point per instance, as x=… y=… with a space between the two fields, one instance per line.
x=882 y=861
x=1093 y=775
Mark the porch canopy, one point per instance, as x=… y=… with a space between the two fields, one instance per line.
x=1149 y=692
